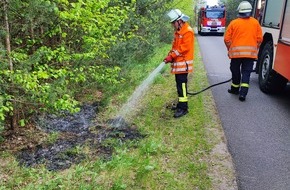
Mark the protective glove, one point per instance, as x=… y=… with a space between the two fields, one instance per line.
x=168 y=59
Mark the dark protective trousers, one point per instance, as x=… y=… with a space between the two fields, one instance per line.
x=181 y=86
x=241 y=69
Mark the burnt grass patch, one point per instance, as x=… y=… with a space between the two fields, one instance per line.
x=75 y=134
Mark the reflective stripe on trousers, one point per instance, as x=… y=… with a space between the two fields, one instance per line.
x=181 y=86
x=241 y=69
x=235 y=85
x=184 y=97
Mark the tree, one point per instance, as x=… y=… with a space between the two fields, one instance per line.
x=52 y=41
x=7 y=29
x=61 y=48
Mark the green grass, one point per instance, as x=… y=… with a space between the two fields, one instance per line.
x=175 y=154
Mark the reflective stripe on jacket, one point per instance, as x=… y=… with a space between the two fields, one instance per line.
x=182 y=67
x=243 y=38
x=182 y=50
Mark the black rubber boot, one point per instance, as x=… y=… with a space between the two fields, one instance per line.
x=233 y=90
x=243 y=93
x=242 y=98
x=180 y=112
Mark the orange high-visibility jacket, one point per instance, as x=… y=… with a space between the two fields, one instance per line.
x=243 y=38
x=182 y=50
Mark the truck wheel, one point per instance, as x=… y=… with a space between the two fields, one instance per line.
x=269 y=80
x=200 y=33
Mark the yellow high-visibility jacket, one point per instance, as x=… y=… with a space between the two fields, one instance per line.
x=182 y=50
x=243 y=38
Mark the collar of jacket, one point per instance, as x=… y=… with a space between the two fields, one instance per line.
x=183 y=29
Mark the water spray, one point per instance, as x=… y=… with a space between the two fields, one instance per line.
x=139 y=92
x=134 y=98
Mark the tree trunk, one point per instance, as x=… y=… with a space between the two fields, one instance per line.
x=8 y=45
x=32 y=35
x=8 y=49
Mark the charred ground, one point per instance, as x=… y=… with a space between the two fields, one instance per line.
x=58 y=142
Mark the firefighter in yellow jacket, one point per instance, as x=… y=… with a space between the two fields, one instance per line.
x=181 y=57
x=242 y=38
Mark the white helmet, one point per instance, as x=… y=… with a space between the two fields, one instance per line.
x=176 y=14
x=244 y=7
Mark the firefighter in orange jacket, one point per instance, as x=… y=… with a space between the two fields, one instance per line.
x=181 y=57
x=242 y=38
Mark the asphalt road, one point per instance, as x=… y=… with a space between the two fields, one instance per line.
x=257 y=130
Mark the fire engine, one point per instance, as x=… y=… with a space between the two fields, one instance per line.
x=211 y=20
x=273 y=65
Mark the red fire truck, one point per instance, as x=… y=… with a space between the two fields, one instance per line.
x=273 y=65
x=211 y=20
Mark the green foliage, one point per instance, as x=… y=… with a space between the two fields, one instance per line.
x=94 y=26
x=49 y=76
x=61 y=48
x=5 y=106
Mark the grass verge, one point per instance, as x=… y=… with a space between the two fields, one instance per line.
x=184 y=153
x=189 y=152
